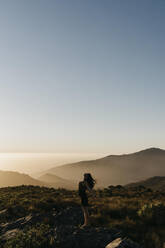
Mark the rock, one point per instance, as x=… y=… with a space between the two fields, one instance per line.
x=114 y=244
x=3 y=211
x=10 y=234
x=66 y=232
x=7 y=230
x=122 y=243
x=88 y=237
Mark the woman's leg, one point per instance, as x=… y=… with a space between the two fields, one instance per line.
x=86 y=216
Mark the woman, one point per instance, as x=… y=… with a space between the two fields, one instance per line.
x=87 y=184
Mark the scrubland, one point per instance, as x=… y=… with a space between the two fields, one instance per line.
x=138 y=213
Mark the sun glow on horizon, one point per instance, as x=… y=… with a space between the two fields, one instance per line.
x=32 y=163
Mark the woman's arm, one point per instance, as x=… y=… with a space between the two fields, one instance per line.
x=89 y=189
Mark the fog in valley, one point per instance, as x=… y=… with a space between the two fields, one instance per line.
x=34 y=163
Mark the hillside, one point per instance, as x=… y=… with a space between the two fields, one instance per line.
x=117 y=169
x=37 y=217
x=155 y=183
x=57 y=182
x=11 y=178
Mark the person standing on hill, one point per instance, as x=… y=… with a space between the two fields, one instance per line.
x=86 y=185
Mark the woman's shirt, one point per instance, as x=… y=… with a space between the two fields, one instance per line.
x=82 y=189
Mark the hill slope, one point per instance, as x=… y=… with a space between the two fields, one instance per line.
x=155 y=183
x=38 y=217
x=11 y=178
x=117 y=169
x=57 y=182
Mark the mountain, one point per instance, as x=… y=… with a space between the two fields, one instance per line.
x=57 y=182
x=11 y=178
x=116 y=169
x=155 y=183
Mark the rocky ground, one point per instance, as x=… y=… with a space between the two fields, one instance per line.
x=67 y=232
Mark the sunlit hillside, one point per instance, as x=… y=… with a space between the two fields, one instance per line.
x=10 y=178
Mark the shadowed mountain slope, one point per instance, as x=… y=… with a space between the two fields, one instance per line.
x=155 y=183
x=117 y=169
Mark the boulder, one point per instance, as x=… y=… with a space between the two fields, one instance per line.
x=122 y=243
x=115 y=243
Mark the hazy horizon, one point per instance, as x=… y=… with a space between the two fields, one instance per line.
x=34 y=163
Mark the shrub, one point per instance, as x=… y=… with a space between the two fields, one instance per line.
x=39 y=236
x=153 y=213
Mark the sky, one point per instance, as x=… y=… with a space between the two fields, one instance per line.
x=82 y=76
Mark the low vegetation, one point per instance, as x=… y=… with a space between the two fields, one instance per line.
x=139 y=213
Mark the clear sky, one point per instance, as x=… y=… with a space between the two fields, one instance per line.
x=82 y=76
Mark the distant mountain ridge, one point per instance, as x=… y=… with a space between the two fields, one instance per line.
x=117 y=169
x=152 y=151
